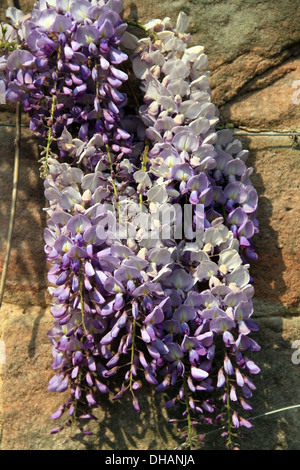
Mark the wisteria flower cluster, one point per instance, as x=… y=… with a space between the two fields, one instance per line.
x=151 y=213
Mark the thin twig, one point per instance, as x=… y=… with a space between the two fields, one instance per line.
x=269 y=134
x=13 y=201
x=242 y=133
x=255 y=417
x=11 y=124
x=12 y=3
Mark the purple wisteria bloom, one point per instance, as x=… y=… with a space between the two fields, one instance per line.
x=150 y=213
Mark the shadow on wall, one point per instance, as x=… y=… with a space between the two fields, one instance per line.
x=121 y=427
x=277 y=383
x=26 y=276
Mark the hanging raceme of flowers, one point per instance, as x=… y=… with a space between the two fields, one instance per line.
x=151 y=213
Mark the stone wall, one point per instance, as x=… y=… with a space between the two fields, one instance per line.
x=254 y=56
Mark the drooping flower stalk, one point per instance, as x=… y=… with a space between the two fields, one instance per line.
x=131 y=378
x=229 y=415
x=196 y=163
x=154 y=287
x=188 y=417
x=51 y=118
x=144 y=160
x=82 y=302
x=113 y=180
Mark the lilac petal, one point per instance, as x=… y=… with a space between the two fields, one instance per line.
x=56 y=430
x=135 y=385
x=108 y=309
x=244 y=241
x=142 y=360
x=221 y=378
x=74 y=372
x=246 y=391
x=184 y=313
x=163 y=385
x=189 y=343
x=170 y=403
x=250 y=204
x=228 y=366
x=214 y=313
x=228 y=338
x=119 y=302
x=112 y=286
x=239 y=378
x=61 y=24
x=125 y=273
x=107 y=29
x=115 y=331
x=54 y=382
x=235 y=420
x=219 y=195
x=246 y=423
x=107 y=339
x=119 y=75
x=76 y=252
x=182 y=172
x=156 y=316
x=117 y=57
x=77 y=392
x=58 y=361
x=88 y=268
x=59 y=311
x=19 y=59
x=185 y=140
x=246 y=230
x=150 y=378
x=235 y=167
x=89 y=379
x=252 y=367
x=198 y=183
x=245 y=405
x=237 y=217
x=135 y=310
x=191 y=384
x=58 y=413
x=90 y=399
x=145 y=335
x=174 y=352
x=233 y=396
x=206 y=269
x=220 y=325
x=80 y=90
x=63 y=385
x=236 y=192
x=14 y=93
x=87 y=416
x=194 y=198
x=144 y=289
x=78 y=224
x=91 y=364
x=46 y=44
x=79 y=10
x=101 y=387
x=136 y=404
x=207 y=406
x=198 y=374
x=153 y=351
x=68 y=51
x=78 y=358
x=113 y=361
